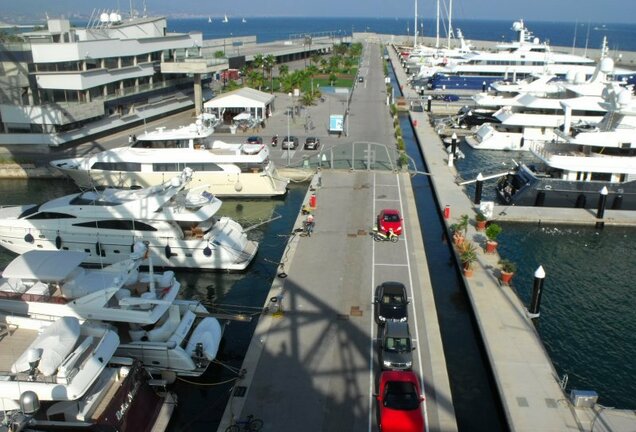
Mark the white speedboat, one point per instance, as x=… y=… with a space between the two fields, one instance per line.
x=165 y=333
x=582 y=161
x=63 y=375
x=179 y=225
x=240 y=170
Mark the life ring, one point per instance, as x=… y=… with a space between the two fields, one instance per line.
x=548 y=187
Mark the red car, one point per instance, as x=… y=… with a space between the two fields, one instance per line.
x=400 y=402
x=390 y=219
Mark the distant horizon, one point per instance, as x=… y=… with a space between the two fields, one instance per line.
x=78 y=16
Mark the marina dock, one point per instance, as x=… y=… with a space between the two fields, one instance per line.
x=528 y=384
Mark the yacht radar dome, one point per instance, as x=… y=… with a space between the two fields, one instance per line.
x=607 y=65
x=29 y=402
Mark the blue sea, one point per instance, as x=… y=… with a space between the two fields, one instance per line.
x=621 y=37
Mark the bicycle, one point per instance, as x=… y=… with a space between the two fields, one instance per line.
x=249 y=424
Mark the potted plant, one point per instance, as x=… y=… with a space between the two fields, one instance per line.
x=508 y=269
x=480 y=221
x=459 y=230
x=468 y=255
x=492 y=232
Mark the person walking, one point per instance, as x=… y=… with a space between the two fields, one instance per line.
x=309 y=224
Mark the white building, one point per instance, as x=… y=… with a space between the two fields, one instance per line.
x=66 y=83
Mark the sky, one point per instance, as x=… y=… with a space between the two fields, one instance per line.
x=603 y=11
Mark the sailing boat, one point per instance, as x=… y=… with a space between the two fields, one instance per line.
x=225 y=18
x=244 y=20
x=209 y=19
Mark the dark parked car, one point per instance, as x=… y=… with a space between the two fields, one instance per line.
x=254 y=139
x=360 y=79
x=312 y=143
x=391 y=302
x=396 y=350
x=289 y=142
x=446 y=97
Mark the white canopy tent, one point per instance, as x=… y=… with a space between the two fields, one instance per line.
x=228 y=105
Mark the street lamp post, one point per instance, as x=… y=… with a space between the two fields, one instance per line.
x=288 y=137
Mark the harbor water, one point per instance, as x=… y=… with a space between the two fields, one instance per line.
x=588 y=315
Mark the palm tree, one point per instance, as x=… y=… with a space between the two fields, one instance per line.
x=283 y=70
x=315 y=59
x=269 y=63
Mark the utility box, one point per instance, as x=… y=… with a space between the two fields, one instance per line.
x=583 y=398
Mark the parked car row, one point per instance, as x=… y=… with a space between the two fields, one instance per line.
x=291 y=142
x=399 y=395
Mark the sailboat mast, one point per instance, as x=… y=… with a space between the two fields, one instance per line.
x=450 y=22
x=437 y=28
x=415 y=27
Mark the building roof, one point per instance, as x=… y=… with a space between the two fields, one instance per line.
x=242 y=98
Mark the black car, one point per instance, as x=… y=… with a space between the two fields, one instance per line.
x=312 y=143
x=390 y=302
x=254 y=139
x=289 y=142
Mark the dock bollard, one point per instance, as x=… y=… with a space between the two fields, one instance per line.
x=600 y=211
x=479 y=185
x=483 y=86
x=454 y=144
x=428 y=103
x=537 y=290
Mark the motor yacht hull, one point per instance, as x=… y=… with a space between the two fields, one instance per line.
x=220 y=183
x=525 y=187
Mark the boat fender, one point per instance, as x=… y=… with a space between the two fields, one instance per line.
x=207 y=251
x=58 y=241
x=238 y=186
x=28 y=238
x=168 y=251
x=98 y=248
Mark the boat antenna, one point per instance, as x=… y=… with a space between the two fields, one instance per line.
x=576 y=26
x=587 y=39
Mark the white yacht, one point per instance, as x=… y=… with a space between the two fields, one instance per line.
x=514 y=60
x=63 y=375
x=163 y=332
x=582 y=161
x=179 y=225
x=533 y=114
x=243 y=170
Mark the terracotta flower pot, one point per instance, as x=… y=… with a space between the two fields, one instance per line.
x=506 y=277
x=468 y=270
x=480 y=225
x=491 y=247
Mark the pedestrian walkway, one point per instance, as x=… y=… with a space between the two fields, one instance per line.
x=312 y=362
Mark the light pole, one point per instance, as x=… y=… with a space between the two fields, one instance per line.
x=288 y=137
